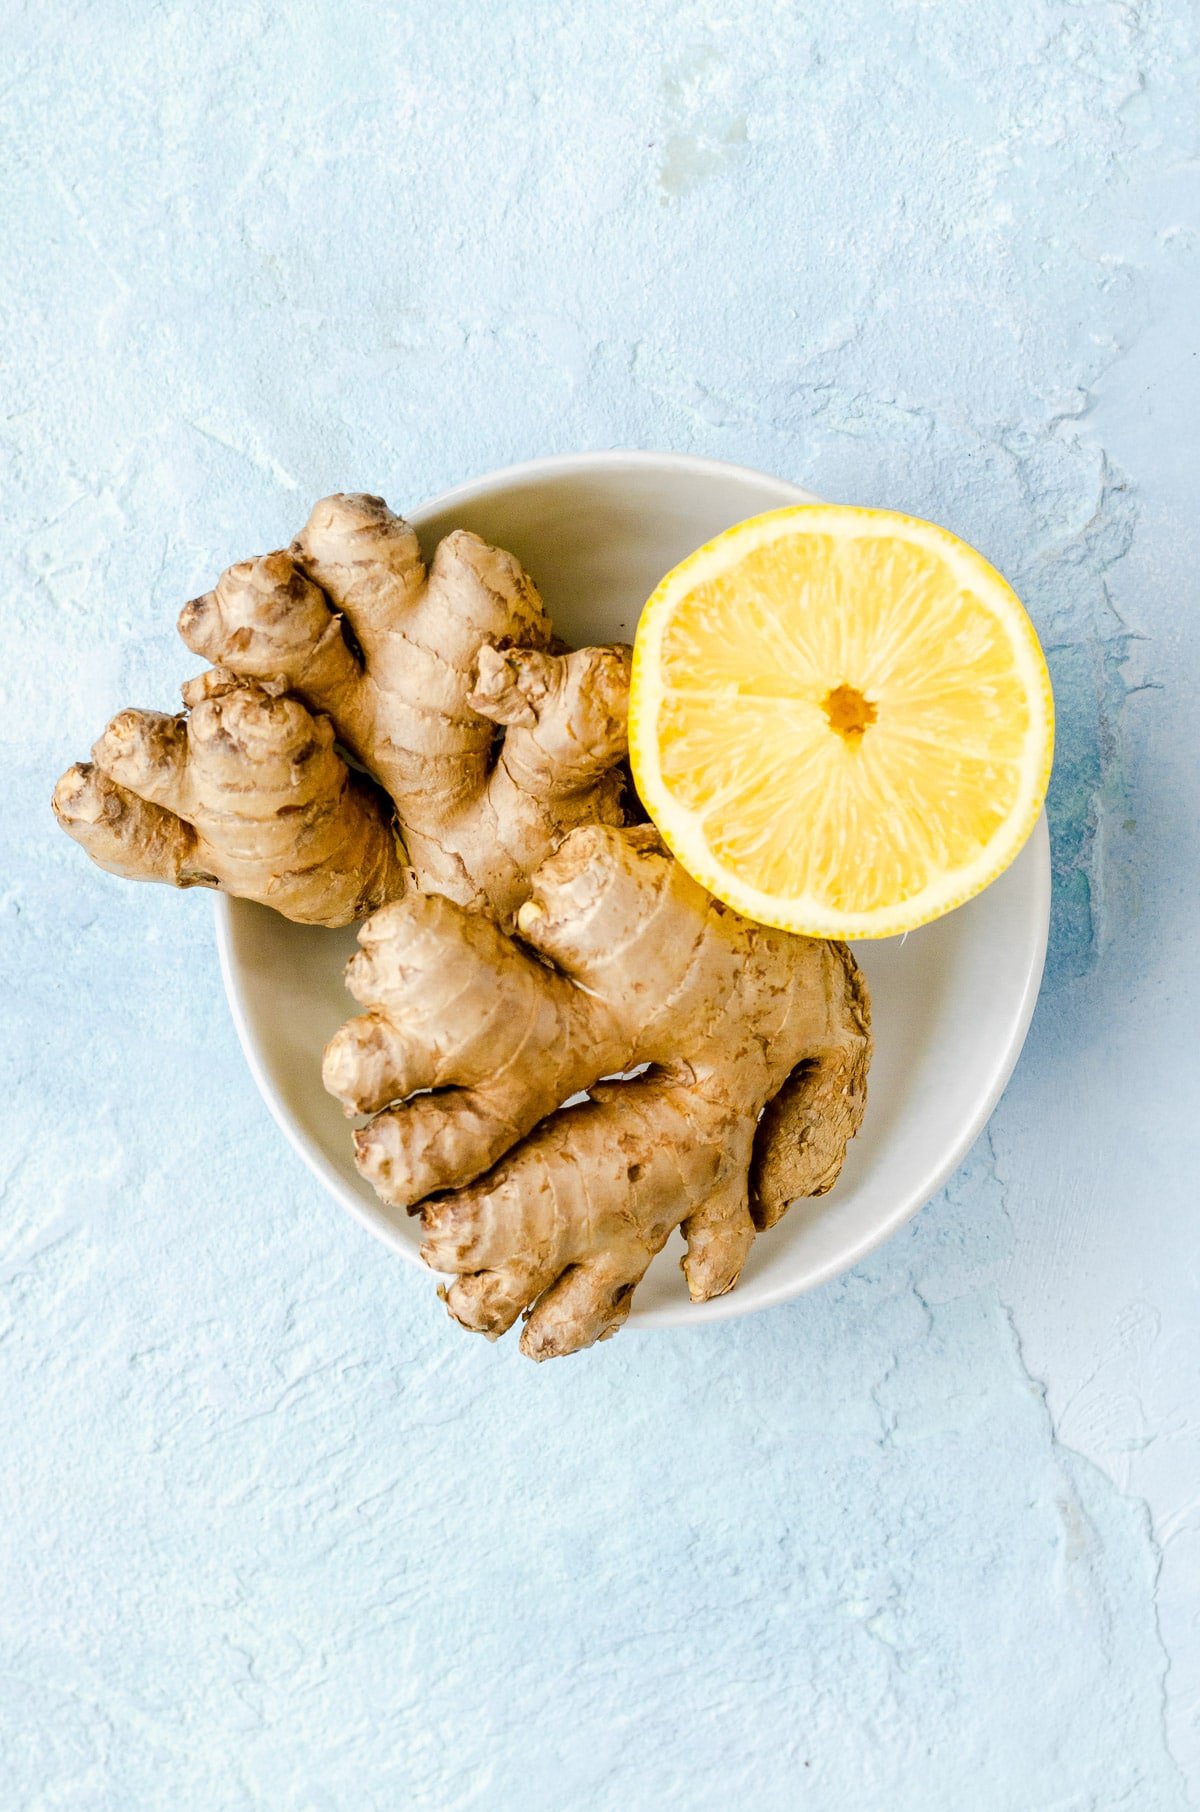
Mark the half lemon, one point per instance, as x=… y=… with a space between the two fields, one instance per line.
x=840 y=720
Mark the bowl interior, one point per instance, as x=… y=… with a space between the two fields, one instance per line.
x=951 y=1002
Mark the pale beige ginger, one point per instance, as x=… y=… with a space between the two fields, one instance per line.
x=440 y=683
x=243 y=791
x=437 y=659
x=501 y=757
x=472 y=1040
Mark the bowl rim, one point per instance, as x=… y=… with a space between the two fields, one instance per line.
x=552 y=465
x=734 y=1302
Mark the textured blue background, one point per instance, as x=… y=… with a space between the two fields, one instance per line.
x=273 y=1534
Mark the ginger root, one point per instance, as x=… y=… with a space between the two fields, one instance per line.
x=435 y=661
x=523 y=946
x=243 y=791
x=439 y=683
x=473 y=1039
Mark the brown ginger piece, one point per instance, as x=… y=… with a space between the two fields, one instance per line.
x=436 y=659
x=414 y=673
x=473 y=1039
x=243 y=791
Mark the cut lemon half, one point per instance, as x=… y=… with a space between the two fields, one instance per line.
x=840 y=720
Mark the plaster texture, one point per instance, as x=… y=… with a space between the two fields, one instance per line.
x=272 y=1533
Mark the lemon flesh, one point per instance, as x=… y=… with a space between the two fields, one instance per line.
x=840 y=719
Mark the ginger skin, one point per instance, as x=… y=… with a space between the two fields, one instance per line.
x=438 y=659
x=414 y=672
x=523 y=947
x=472 y=1041
x=244 y=791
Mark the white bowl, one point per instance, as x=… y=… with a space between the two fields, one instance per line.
x=952 y=1001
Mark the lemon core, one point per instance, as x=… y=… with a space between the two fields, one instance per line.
x=849 y=713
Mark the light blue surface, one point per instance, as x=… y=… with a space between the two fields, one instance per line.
x=273 y=1534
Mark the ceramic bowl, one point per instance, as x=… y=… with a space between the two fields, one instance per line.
x=951 y=1002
